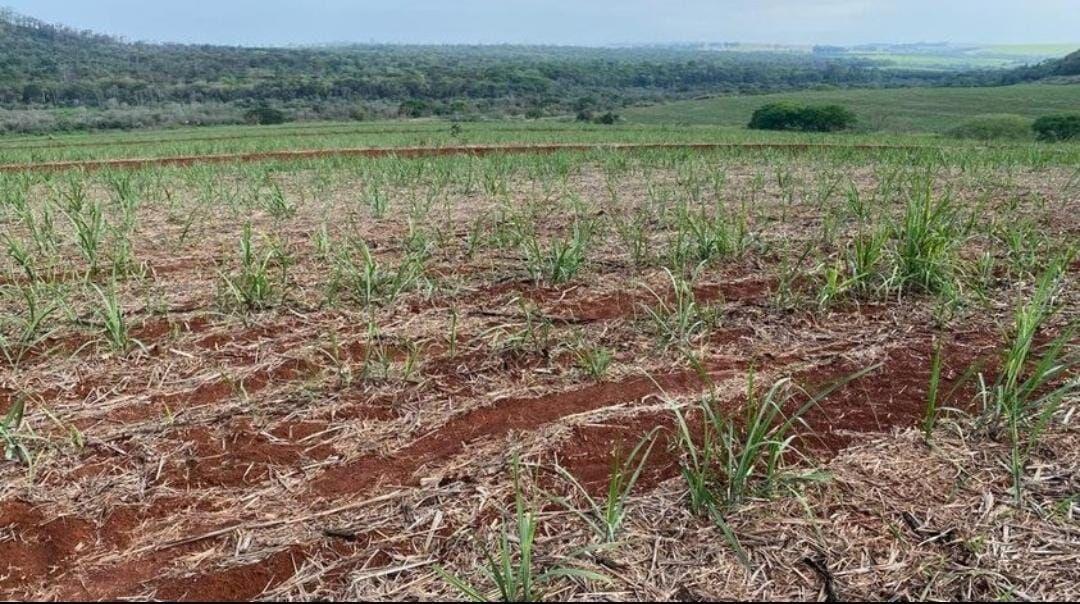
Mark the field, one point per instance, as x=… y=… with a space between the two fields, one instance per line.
x=18 y=151
x=1001 y=56
x=903 y=110
x=951 y=57
x=674 y=374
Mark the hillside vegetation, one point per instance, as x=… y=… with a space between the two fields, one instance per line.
x=54 y=78
x=45 y=65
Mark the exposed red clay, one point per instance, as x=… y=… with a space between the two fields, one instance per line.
x=234 y=584
x=36 y=547
x=503 y=417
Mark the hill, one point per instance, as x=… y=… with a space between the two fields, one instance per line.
x=931 y=110
x=44 y=66
x=1070 y=65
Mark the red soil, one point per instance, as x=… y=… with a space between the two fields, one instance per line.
x=499 y=419
x=35 y=548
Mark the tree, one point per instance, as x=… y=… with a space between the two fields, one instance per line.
x=1054 y=128
x=1070 y=65
x=786 y=115
x=827 y=118
x=776 y=116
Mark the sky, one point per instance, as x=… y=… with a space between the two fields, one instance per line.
x=579 y=22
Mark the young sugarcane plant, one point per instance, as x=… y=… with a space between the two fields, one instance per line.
x=111 y=315
x=605 y=516
x=1032 y=384
x=14 y=449
x=511 y=567
x=734 y=459
x=29 y=328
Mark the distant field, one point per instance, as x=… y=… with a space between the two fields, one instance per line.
x=929 y=56
x=416 y=133
x=1003 y=56
x=900 y=110
x=1029 y=50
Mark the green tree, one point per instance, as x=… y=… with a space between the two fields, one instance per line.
x=1054 y=128
x=776 y=116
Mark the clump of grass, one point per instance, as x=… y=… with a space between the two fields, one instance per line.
x=605 y=516
x=511 y=566
x=1028 y=390
x=534 y=336
x=633 y=232
x=734 y=458
x=277 y=204
x=928 y=238
x=21 y=255
x=20 y=333
x=14 y=447
x=253 y=287
x=111 y=314
x=562 y=259
x=682 y=318
x=703 y=237
x=376 y=200
x=369 y=281
x=88 y=223
x=595 y=361
x=860 y=273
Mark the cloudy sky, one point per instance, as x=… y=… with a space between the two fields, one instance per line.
x=592 y=22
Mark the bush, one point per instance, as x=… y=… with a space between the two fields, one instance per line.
x=264 y=115
x=607 y=119
x=993 y=127
x=1053 y=128
x=805 y=118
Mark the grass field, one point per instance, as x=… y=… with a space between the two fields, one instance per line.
x=254 y=139
x=356 y=378
x=905 y=110
x=960 y=58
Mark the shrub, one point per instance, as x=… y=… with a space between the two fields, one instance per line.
x=993 y=127
x=776 y=116
x=806 y=118
x=264 y=115
x=1053 y=128
x=607 y=119
x=827 y=118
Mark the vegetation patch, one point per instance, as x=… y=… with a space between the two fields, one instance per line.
x=999 y=127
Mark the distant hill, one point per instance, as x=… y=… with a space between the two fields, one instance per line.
x=1067 y=66
x=57 y=78
x=1070 y=65
x=45 y=65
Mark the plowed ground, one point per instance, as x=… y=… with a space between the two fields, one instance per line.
x=294 y=452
